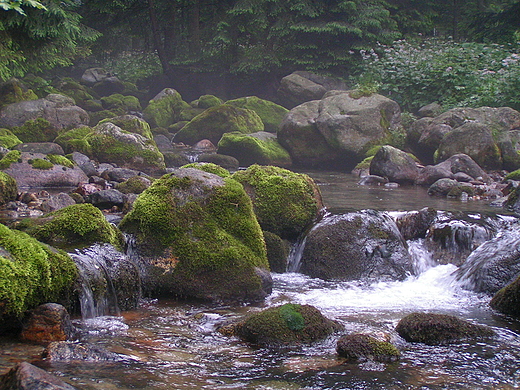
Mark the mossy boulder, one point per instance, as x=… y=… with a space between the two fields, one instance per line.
x=165 y=108
x=207 y=101
x=433 y=329
x=109 y=143
x=277 y=252
x=209 y=167
x=8 y=188
x=271 y=113
x=223 y=160
x=256 y=148
x=216 y=121
x=132 y=124
x=394 y=164
x=286 y=325
x=98 y=116
x=37 y=130
x=14 y=91
x=31 y=273
x=8 y=140
x=358 y=348
x=285 y=203
x=134 y=185
x=76 y=91
x=120 y=104
x=198 y=237
x=11 y=157
x=507 y=299
x=72 y=227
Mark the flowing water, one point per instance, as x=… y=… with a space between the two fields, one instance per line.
x=176 y=345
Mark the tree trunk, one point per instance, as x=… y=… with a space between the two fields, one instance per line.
x=195 y=28
x=157 y=38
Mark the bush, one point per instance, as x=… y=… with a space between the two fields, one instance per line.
x=451 y=73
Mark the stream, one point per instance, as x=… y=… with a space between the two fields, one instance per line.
x=176 y=345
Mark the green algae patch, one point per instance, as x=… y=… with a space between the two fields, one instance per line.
x=257 y=148
x=215 y=121
x=31 y=273
x=8 y=188
x=209 y=167
x=285 y=202
x=8 y=140
x=11 y=157
x=286 y=325
x=73 y=227
x=200 y=236
x=270 y=113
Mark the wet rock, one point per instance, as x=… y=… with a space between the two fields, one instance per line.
x=359 y=348
x=40 y=147
x=94 y=75
x=277 y=252
x=163 y=143
x=106 y=199
x=46 y=323
x=205 y=145
x=25 y=376
x=84 y=163
x=56 y=202
x=433 y=329
x=364 y=244
x=227 y=162
x=286 y=325
x=62 y=351
x=442 y=187
x=394 y=164
x=493 y=265
x=507 y=299
x=134 y=185
x=108 y=86
x=415 y=224
x=270 y=113
x=119 y=174
x=372 y=180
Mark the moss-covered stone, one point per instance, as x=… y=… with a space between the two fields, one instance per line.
x=285 y=203
x=515 y=175
x=74 y=140
x=92 y=105
x=432 y=329
x=73 y=227
x=132 y=124
x=289 y=324
x=31 y=273
x=40 y=163
x=8 y=139
x=96 y=117
x=120 y=104
x=457 y=191
x=11 y=157
x=209 y=167
x=270 y=113
x=200 y=236
x=39 y=85
x=277 y=252
x=358 y=348
x=165 y=109
x=14 y=91
x=507 y=299
x=207 y=101
x=257 y=148
x=134 y=185
x=37 y=130
x=216 y=121
x=8 y=188
x=58 y=159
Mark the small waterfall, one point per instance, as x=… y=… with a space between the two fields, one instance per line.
x=422 y=258
x=295 y=256
x=108 y=281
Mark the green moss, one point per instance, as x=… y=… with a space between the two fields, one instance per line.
x=361 y=347
x=75 y=226
x=209 y=167
x=96 y=117
x=40 y=163
x=250 y=149
x=11 y=157
x=216 y=121
x=8 y=188
x=285 y=202
x=208 y=101
x=134 y=185
x=92 y=105
x=365 y=164
x=132 y=124
x=457 y=191
x=57 y=159
x=286 y=324
x=31 y=273
x=166 y=110
x=75 y=140
x=120 y=104
x=14 y=92
x=37 y=130
x=8 y=140
x=270 y=113
x=515 y=175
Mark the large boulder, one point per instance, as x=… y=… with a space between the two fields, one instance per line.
x=433 y=329
x=489 y=135
x=74 y=226
x=285 y=203
x=300 y=87
x=132 y=124
x=14 y=91
x=507 y=299
x=270 y=113
x=216 y=121
x=165 y=108
x=256 y=148
x=60 y=111
x=36 y=170
x=493 y=265
x=25 y=376
x=197 y=236
x=340 y=128
x=31 y=273
x=394 y=164
x=289 y=324
x=449 y=168
x=360 y=347
x=108 y=143
x=46 y=323
x=363 y=244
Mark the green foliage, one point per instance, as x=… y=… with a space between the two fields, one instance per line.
x=134 y=65
x=31 y=273
x=17 y=5
x=41 y=38
x=451 y=73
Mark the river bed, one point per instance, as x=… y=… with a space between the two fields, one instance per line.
x=176 y=345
